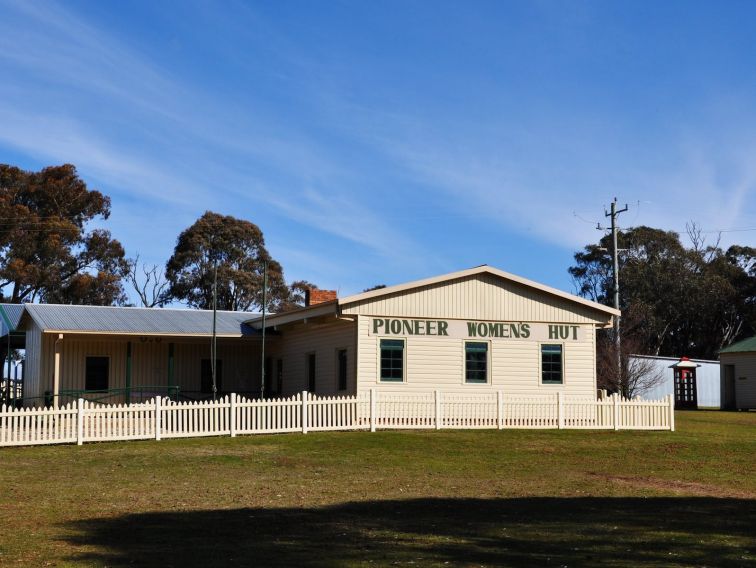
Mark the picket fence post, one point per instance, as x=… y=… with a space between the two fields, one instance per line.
x=304 y=412
x=372 y=410
x=499 y=410
x=615 y=411
x=671 y=413
x=80 y=422
x=157 y=418
x=437 y=398
x=232 y=415
x=560 y=410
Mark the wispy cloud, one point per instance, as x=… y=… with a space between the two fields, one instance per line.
x=202 y=152
x=533 y=181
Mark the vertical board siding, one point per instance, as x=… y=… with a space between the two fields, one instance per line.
x=479 y=297
x=149 y=361
x=73 y=360
x=33 y=383
x=295 y=342
x=438 y=362
x=241 y=365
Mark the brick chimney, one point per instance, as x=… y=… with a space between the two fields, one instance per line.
x=314 y=296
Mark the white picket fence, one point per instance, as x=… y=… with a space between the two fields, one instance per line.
x=233 y=415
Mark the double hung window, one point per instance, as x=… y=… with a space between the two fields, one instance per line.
x=392 y=360
x=476 y=362
x=552 y=367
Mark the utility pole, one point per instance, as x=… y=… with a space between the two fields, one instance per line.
x=264 y=307
x=214 y=344
x=614 y=213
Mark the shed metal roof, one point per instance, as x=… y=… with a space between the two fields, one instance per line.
x=743 y=346
x=109 y=319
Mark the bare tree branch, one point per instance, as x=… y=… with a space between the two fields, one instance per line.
x=149 y=283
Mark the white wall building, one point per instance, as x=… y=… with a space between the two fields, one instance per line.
x=480 y=329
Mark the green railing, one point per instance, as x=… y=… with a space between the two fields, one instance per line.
x=133 y=394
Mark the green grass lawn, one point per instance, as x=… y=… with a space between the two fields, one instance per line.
x=471 y=498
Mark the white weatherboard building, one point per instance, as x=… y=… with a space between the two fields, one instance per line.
x=477 y=330
x=480 y=329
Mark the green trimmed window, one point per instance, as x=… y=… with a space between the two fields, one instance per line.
x=476 y=362
x=392 y=360
x=552 y=368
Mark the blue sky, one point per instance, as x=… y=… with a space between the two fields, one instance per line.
x=380 y=142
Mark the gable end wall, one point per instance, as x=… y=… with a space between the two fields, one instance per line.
x=484 y=297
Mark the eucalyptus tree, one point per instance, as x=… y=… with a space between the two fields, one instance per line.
x=47 y=251
x=684 y=300
x=231 y=250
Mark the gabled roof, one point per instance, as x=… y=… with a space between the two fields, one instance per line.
x=744 y=346
x=10 y=315
x=147 y=321
x=483 y=269
x=333 y=307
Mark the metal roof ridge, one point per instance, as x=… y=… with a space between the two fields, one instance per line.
x=154 y=309
x=673 y=358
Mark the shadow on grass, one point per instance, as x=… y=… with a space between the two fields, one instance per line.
x=493 y=532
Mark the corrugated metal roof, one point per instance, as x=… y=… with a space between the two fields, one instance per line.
x=56 y=317
x=13 y=312
x=741 y=346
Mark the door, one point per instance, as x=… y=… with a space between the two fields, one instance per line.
x=729 y=387
x=685 y=388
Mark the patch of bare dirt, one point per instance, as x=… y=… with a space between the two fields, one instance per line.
x=675 y=486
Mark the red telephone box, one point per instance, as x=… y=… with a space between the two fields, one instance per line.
x=685 y=384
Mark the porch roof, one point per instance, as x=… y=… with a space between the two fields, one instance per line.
x=10 y=314
x=143 y=321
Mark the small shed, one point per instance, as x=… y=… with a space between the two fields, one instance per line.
x=695 y=383
x=739 y=374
